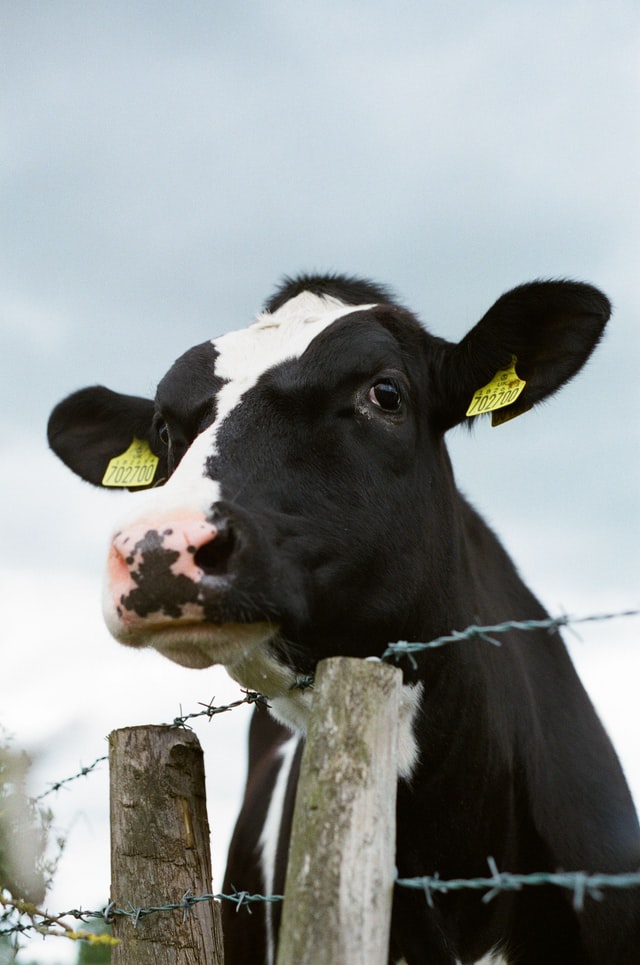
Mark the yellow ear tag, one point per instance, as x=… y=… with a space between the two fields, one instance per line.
x=135 y=467
x=503 y=389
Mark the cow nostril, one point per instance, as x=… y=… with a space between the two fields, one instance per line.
x=213 y=557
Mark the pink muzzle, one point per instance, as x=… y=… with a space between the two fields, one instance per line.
x=152 y=571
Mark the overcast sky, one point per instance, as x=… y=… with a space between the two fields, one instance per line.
x=164 y=164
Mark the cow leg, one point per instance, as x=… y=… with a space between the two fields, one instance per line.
x=258 y=851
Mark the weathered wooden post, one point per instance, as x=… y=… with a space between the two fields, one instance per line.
x=160 y=848
x=339 y=885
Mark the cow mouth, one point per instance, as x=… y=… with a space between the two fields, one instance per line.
x=194 y=643
x=199 y=646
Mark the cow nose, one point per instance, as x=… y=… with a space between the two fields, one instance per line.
x=154 y=564
x=178 y=541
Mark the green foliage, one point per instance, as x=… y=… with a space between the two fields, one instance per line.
x=24 y=831
x=25 y=869
x=91 y=953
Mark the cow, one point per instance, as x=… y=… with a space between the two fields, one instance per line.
x=293 y=499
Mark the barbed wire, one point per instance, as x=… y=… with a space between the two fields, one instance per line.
x=242 y=899
x=487 y=633
x=42 y=921
x=210 y=711
x=46 y=924
x=392 y=652
x=581 y=883
x=67 y=780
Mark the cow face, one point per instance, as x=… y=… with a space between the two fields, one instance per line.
x=307 y=506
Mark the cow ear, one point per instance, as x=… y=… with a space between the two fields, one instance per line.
x=545 y=331
x=92 y=427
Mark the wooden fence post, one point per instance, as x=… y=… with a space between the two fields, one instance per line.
x=339 y=884
x=160 y=848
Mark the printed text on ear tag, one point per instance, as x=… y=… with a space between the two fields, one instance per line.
x=503 y=389
x=135 y=467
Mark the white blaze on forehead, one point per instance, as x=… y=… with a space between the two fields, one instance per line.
x=274 y=337
x=243 y=356
x=247 y=354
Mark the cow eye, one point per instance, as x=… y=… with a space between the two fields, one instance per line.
x=163 y=433
x=385 y=395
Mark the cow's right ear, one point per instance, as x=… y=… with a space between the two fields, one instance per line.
x=93 y=427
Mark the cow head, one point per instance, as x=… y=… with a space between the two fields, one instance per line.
x=303 y=503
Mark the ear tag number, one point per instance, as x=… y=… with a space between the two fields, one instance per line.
x=503 y=389
x=135 y=467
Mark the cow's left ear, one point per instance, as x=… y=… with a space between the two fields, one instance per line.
x=541 y=333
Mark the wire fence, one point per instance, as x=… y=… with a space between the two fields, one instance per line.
x=580 y=883
x=67 y=780
x=553 y=624
x=20 y=917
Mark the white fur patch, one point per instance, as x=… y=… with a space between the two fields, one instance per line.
x=294 y=708
x=408 y=748
x=245 y=355
x=270 y=833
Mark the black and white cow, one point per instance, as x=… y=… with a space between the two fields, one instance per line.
x=309 y=509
